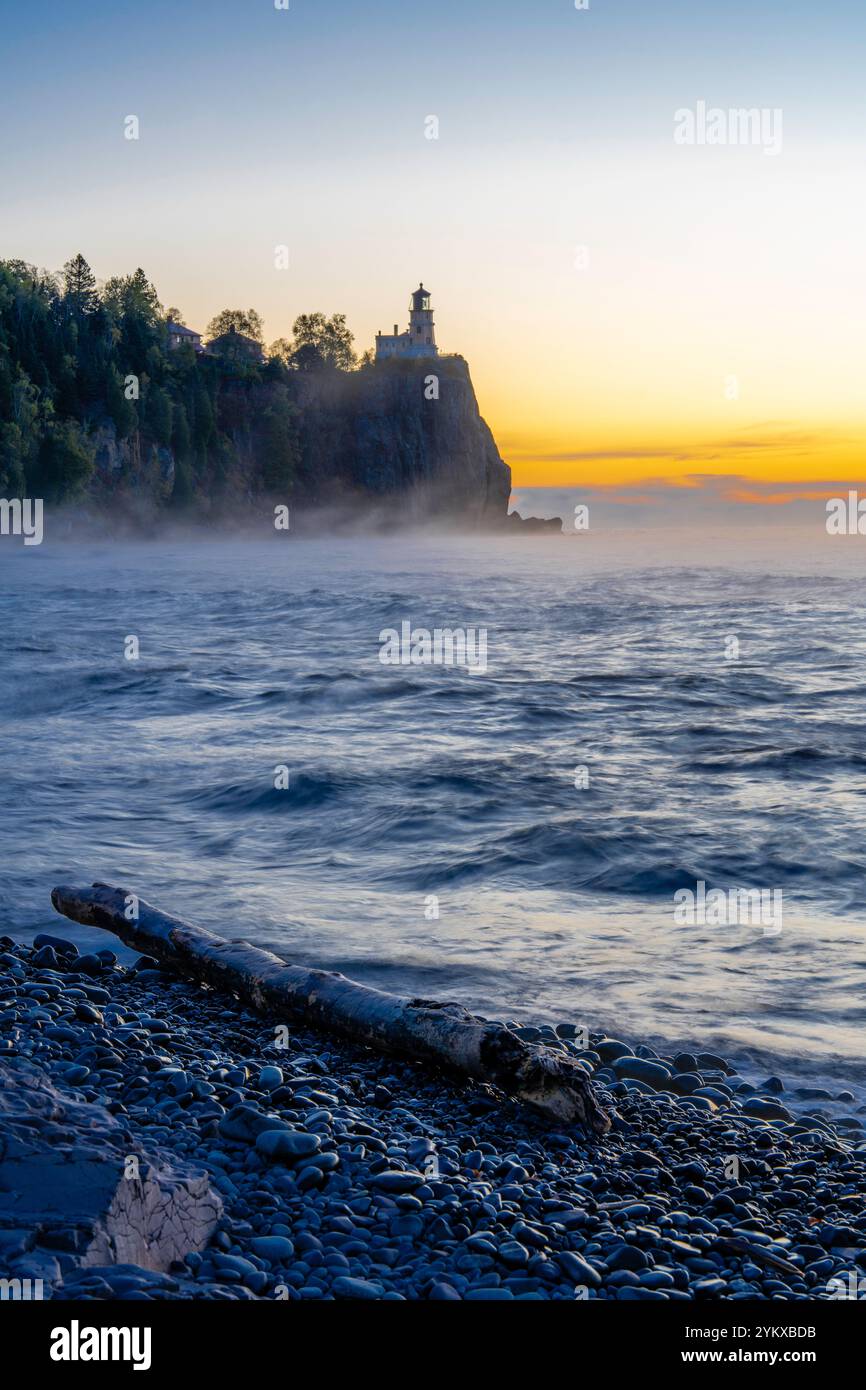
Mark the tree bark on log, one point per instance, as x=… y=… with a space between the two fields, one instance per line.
x=441 y=1034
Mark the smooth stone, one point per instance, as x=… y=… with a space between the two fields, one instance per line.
x=766 y=1109
x=347 y=1287
x=291 y=1144
x=244 y=1123
x=270 y=1078
x=578 y=1269
x=513 y=1253
x=442 y=1293
x=91 y=964
x=274 y=1249
x=397 y=1180
x=57 y=943
x=710 y=1059
x=641 y=1069
x=627 y=1257
x=610 y=1049
x=684 y=1083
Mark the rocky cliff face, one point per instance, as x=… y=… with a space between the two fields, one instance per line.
x=401 y=442
x=406 y=436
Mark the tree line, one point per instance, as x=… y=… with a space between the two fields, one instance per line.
x=77 y=359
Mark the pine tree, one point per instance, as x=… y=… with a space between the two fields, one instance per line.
x=79 y=285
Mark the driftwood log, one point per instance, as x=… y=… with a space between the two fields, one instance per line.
x=424 y=1030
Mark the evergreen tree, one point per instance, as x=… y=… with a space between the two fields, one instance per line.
x=74 y=362
x=79 y=286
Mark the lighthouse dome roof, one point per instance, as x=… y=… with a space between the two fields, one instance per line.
x=419 y=295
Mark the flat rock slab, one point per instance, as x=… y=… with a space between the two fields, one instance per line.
x=76 y=1190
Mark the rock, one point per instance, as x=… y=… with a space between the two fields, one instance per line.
x=577 y=1269
x=642 y=1069
x=347 y=1287
x=534 y=523
x=627 y=1257
x=513 y=1254
x=273 y=1249
x=711 y=1287
x=46 y=958
x=311 y=1175
x=91 y=964
x=397 y=1180
x=56 y=943
x=685 y=1083
x=609 y=1049
x=442 y=1292
x=709 y=1059
x=765 y=1109
x=384 y=443
x=244 y=1123
x=270 y=1078
x=86 y=1013
x=711 y=1093
x=287 y=1145
x=63 y=1169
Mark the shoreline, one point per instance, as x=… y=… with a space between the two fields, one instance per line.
x=810 y=1079
x=395 y=1183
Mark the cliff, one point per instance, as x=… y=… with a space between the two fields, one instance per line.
x=401 y=441
x=405 y=436
x=105 y=413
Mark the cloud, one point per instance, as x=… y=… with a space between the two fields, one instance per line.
x=711 y=498
x=765 y=437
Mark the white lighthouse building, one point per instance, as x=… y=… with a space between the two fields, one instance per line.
x=420 y=341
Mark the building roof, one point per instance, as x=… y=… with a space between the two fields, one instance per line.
x=181 y=330
x=420 y=293
x=232 y=337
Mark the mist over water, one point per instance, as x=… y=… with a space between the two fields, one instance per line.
x=555 y=902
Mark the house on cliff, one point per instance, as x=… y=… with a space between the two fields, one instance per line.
x=419 y=340
x=236 y=347
x=178 y=335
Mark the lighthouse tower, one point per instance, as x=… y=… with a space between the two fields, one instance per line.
x=420 y=341
x=421 y=330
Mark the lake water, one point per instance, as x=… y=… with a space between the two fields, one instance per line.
x=419 y=788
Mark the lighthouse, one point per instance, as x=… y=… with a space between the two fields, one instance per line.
x=420 y=341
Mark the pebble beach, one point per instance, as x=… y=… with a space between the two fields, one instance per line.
x=342 y=1174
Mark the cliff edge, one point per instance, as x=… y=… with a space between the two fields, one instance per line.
x=405 y=436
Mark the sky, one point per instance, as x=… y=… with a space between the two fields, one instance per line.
x=635 y=311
